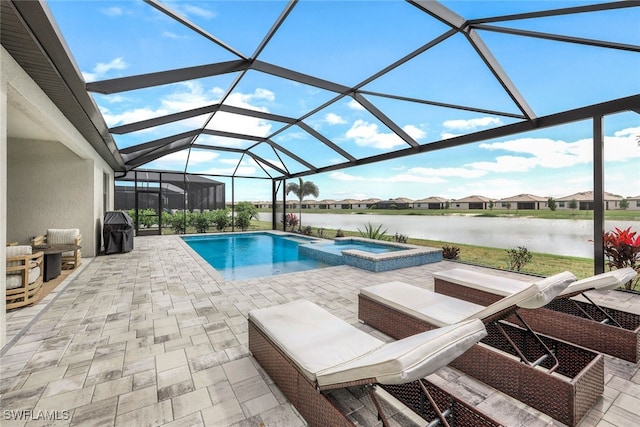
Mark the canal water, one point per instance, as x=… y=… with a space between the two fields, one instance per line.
x=553 y=236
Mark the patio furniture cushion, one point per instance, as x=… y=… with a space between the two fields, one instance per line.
x=331 y=351
x=63 y=236
x=435 y=309
x=14 y=278
x=504 y=286
x=550 y=287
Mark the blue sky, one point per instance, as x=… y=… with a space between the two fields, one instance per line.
x=347 y=42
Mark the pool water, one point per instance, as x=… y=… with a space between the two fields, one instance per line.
x=249 y=255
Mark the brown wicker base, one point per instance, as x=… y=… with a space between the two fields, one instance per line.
x=566 y=397
x=319 y=409
x=563 y=320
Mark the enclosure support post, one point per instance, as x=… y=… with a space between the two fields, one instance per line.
x=274 y=200
x=233 y=203
x=598 y=194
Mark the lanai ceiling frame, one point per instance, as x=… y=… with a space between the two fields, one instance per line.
x=141 y=154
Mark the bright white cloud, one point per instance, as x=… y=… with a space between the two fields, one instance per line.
x=112 y=11
x=471 y=124
x=355 y=105
x=447 y=172
x=506 y=164
x=367 y=134
x=334 y=119
x=172 y=35
x=102 y=69
x=192 y=10
x=414 y=132
x=403 y=177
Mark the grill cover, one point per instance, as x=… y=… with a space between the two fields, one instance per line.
x=117 y=232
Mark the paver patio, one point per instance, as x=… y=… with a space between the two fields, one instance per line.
x=157 y=337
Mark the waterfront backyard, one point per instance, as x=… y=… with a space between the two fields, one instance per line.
x=156 y=336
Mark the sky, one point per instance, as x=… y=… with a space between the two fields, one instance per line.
x=347 y=42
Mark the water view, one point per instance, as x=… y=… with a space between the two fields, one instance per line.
x=552 y=236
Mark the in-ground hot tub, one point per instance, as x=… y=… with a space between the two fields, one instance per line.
x=369 y=254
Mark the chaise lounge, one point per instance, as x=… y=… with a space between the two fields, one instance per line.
x=553 y=376
x=308 y=352
x=577 y=320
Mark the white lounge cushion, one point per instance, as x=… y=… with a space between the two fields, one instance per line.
x=409 y=359
x=435 y=309
x=490 y=283
x=312 y=337
x=504 y=286
x=604 y=281
x=549 y=288
x=331 y=351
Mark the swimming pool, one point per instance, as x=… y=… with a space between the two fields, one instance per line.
x=240 y=256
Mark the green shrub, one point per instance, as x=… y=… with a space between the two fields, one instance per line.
x=518 y=257
x=243 y=220
x=200 y=222
x=221 y=218
x=177 y=223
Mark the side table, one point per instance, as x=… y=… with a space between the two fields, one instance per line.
x=53 y=259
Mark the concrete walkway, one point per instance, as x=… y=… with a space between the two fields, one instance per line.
x=157 y=337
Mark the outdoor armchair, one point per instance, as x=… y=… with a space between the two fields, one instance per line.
x=24 y=276
x=63 y=236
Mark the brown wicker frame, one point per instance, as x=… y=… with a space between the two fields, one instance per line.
x=568 y=320
x=28 y=293
x=566 y=397
x=318 y=407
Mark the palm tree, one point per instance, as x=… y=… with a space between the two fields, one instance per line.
x=304 y=188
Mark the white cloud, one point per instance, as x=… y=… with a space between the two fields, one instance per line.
x=355 y=105
x=172 y=35
x=368 y=135
x=334 y=119
x=471 y=124
x=448 y=172
x=506 y=164
x=414 y=132
x=403 y=177
x=112 y=11
x=102 y=69
x=192 y=10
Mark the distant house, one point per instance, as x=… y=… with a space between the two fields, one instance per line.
x=584 y=201
x=397 y=203
x=471 y=202
x=522 y=202
x=431 y=203
x=634 y=203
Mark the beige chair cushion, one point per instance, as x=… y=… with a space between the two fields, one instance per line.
x=14 y=281
x=62 y=236
x=13 y=251
x=14 y=278
x=549 y=288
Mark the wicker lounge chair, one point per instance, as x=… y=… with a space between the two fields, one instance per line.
x=553 y=376
x=308 y=352
x=577 y=320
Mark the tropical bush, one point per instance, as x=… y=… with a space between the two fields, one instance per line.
x=518 y=257
x=450 y=252
x=400 y=238
x=243 y=220
x=622 y=249
x=290 y=220
x=376 y=233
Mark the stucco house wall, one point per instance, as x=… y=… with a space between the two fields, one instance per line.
x=55 y=180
